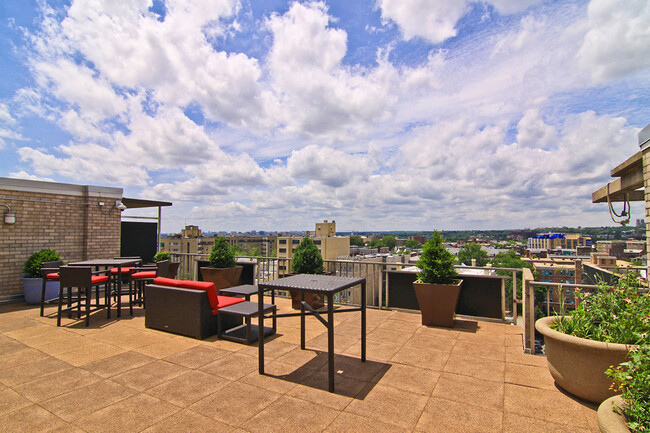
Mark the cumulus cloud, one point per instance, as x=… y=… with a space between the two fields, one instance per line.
x=617 y=41
x=329 y=166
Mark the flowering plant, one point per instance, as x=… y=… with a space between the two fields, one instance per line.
x=611 y=314
x=632 y=378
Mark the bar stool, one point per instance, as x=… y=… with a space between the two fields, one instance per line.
x=84 y=279
x=126 y=275
x=50 y=272
x=142 y=276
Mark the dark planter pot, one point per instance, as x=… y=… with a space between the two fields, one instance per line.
x=173 y=269
x=314 y=300
x=222 y=277
x=610 y=421
x=437 y=303
x=32 y=290
x=578 y=365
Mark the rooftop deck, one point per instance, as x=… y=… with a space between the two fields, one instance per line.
x=119 y=376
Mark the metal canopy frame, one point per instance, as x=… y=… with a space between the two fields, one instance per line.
x=628 y=185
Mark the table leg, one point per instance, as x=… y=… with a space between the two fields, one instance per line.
x=330 y=340
x=302 y=320
x=363 y=321
x=260 y=328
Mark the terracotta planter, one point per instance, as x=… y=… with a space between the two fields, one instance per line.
x=222 y=277
x=437 y=303
x=610 y=421
x=578 y=365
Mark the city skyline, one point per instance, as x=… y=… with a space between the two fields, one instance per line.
x=382 y=115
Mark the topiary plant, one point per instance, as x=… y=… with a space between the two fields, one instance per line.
x=33 y=264
x=221 y=255
x=161 y=256
x=436 y=263
x=307 y=259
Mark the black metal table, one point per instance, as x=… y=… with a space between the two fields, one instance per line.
x=327 y=285
x=110 y=263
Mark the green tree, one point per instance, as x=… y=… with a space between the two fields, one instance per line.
x=389 y=241
x=221 y=255
x=509 y=259
x=237 y=249
x=307 y=259
x=473 y=251
x=412 y=245
x=356 y=240
x=436 y=263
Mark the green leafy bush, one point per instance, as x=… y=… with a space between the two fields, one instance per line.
x=632 y=378
x=33 y=264
x=161 y=256
x=221 y=255
x=436 y=263
x=307 y=259
x=610 y=314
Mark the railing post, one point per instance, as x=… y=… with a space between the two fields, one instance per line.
x=515 y=298
x=503 y=299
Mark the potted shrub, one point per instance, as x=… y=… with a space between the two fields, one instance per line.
x=223 y=270
x=166 y=255
x=629 y=411
x=437 y=288
x=307 y=260
x=599 y=333
x=33 y=279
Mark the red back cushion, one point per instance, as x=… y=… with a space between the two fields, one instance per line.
x=162 y=281
x=216 y=302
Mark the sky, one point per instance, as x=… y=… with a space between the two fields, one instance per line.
x=379 y=114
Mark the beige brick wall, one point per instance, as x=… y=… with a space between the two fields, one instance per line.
x=54 y=218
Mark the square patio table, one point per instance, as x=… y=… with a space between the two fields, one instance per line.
x=110 y=263
x=327 y=285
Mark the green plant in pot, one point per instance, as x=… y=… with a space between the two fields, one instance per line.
x=173 y=266
x=223 y=270
x=438 y=287
x=605 y=326
x=307 y=260
x=33 y=277
x=631 y=409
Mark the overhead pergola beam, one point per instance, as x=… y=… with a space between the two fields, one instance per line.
x=630 y=180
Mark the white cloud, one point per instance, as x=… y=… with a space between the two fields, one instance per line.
x=329 y=166
x=617 y=41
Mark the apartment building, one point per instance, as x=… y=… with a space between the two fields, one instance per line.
x=191 y=241
x=555 y=241
x=325 y=239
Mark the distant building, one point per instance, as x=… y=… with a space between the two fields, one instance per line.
x=325 y=239
x=191 y=241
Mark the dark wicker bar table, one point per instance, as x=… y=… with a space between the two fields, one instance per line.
x=327 y=285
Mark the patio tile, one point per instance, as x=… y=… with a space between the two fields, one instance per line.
x=298 y=357
x=414 y=317
x=90 y=353
x=396 y=324
x=453 y=417
x=409 y=378
x=197 y=356
x=9 y=345
x=272 y=380
x=129 y=415
x=438 y=332
x=167 y=348
x=86 y=400
x=188 y=388
x=375 y=350
x=319 y=395
x=476 y=349
x=386 y=334
x=529 y=375
x=235 y=403
x=341 y=343
x=517 y=356
x=421 y=357
x=232 y=367
x=272 y=349
x=319 y=380
x=291 y=414
x=10 y=400
x=30 y=371
x=486 y=369
x=188 y=421
x=116 y=364
x=470 y=391
x=21 y=357
x=149 y=375
x=31 y=418
x=437 y=342
x=350 y=423
x=513 y=423
x=544 y=404
x=56 y=383
x=390 y=406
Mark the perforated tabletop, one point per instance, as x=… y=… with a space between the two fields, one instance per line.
x=313 y=283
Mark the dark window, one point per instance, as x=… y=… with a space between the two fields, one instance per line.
x=283 y=250
x=283 y=241
x=317 y=242
x=295 y=241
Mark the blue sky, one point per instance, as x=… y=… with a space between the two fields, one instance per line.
x=382 y=115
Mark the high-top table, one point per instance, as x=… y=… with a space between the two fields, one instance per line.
x=110 y=263
x=327 y=285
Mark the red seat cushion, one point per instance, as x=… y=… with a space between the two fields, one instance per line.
x=224 y=301
x=144 y=274
x=124 y=270
x=96 y=279
x=52 y=276
x=170 y=282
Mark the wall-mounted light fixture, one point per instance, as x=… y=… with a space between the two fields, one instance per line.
x=118 y=205
x=10 y=216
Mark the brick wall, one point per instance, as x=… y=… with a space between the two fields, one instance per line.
x=64 y=217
